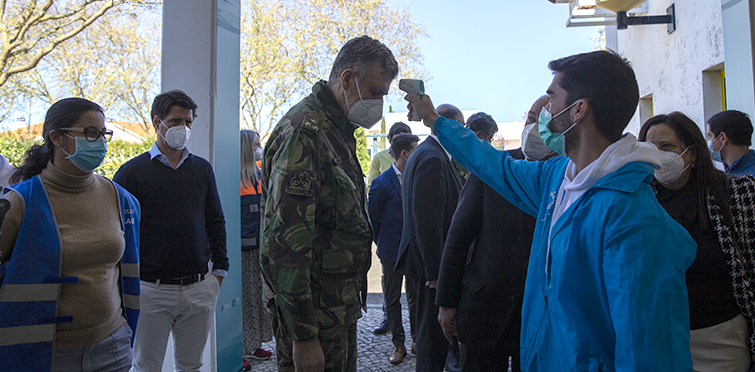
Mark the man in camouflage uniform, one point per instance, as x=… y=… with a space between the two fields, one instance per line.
x=316 y=247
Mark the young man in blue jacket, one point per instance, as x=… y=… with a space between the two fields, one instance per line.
x=605 y=286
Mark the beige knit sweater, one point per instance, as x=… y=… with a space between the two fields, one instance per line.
x=86 y=211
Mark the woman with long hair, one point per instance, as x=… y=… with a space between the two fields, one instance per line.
x=717 y=212
x=256 y=323
x=69 y=293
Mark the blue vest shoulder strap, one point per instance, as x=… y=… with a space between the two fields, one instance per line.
x=129 y=278
x=31 y=286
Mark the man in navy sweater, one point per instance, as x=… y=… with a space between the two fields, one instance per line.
x=182 y=229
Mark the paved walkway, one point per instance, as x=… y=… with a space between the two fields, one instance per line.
x=372 y=351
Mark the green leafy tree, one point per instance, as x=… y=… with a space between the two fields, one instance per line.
x=288 y=45
x=32 y=29
x=118 y=152
x=362 y=154
x=114 y=62
x=14 y=149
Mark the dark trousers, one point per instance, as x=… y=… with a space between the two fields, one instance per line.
x=411 y=300
x=432 y=346
x=391 y=282
x=494 y=355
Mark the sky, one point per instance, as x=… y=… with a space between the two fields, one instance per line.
x=493 y=55
x=488 y=55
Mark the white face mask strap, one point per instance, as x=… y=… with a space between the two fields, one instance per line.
x=568 y=129
x=160 y=134
x=564 y=110
x=685 y=150
x=358 y=91
x=714 y=140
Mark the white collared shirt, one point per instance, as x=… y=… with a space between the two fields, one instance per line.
x=155 y=152
x=398 y=172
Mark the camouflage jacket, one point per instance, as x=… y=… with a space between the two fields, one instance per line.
x=316 y=247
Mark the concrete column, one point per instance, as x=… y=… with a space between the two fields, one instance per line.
x=738 y=47
x=201 y=56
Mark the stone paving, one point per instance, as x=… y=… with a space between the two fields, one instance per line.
x=373 y=351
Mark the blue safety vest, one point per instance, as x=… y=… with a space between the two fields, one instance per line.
x=31 y=286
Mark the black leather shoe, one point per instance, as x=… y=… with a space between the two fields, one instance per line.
x=381 y=329
x=453 y=359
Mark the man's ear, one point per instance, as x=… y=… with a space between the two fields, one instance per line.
x=582 y=106
x=346 y=78
x=724 y=138
x=480 y=135
x=156 y=123
x=405 y=154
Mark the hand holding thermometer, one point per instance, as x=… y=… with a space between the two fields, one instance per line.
x=415 y=87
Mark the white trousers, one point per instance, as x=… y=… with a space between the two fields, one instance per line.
x=722 y=347
x=185 y=310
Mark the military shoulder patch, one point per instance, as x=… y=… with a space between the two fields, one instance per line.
x=310 y=124
x=299 y=184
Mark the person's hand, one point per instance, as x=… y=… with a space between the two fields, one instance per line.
x=423 y=105
x=308 y=356
x=432 y=284
x=447 y=320
x=220 y=279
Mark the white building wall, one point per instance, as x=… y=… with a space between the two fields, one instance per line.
x=670 y=66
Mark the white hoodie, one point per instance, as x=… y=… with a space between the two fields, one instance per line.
x=615 y=156
x=5 y=171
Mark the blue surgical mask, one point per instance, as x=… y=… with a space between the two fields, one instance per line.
x=715 y=154
x=555 y=142
x=89 y=154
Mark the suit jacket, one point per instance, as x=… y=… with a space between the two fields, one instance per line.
x=430 y=191
x=385 y=209
x=484 y=264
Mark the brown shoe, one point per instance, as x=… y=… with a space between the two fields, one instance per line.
x=399 y=352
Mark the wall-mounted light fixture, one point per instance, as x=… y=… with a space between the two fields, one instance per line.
x=620 y=7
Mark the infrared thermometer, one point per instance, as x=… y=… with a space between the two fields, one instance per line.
x=414 y=87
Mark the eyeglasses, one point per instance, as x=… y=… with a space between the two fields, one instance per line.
x=92 y=133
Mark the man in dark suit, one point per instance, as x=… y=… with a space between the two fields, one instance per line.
x=386 y=214
x=484 y=266
x=430 y=191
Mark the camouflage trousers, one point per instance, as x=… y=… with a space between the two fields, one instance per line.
x=338 y=343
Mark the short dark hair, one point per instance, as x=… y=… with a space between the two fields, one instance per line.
x=452 y=112
x=606 y=80
x=482 y=122
x=402 y=141
x=361 y=53
x=164 y=101
x=736 y=124
x=396 y=128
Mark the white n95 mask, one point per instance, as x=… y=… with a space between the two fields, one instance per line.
x=672 y=167
x=366 y=112
x=176 y=137
x=532 y=146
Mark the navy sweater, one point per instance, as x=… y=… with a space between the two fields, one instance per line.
x=182 y=224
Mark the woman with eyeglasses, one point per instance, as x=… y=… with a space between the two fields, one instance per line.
x=69 y=252
x=717 y=212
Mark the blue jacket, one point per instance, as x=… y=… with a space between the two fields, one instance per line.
x=744 y=165
x=31 y=286
x=386 y=214
x=615 y=297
